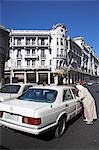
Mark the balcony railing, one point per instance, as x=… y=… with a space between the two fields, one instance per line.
x=20 y=67
x=35 y=56
x=43 y=67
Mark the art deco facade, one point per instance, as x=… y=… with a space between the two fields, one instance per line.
x=4 y=51
x=51 y=56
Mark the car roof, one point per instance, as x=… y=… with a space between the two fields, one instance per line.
x=19 y=84
x=54 y=87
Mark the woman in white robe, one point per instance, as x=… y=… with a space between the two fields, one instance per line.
x=88 y=104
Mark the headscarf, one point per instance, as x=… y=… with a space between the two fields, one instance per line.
x=79 y=87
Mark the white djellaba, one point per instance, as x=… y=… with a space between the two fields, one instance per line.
x=88 y=103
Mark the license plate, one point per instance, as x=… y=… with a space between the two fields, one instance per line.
x=11 y=116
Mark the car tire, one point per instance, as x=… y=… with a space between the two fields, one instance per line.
x=61 y=127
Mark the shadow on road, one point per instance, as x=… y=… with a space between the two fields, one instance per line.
x=49 y=135
x=4 y=148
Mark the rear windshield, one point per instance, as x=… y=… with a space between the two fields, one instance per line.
x=10 y=89
x=39 y=95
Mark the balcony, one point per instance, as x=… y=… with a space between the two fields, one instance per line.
x=25 y=67
x=43 y=67
x=17 y=44
x=32 y=67
x=30 y=43
x=43 y=44
x=61 y=56
x=29 y=56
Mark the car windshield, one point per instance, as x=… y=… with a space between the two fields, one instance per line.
x=39 y=95
x=13 y=89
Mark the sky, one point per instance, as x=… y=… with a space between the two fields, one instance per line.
x=81 y=17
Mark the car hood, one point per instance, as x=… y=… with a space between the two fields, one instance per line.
x=24 y=108
x=6 y=96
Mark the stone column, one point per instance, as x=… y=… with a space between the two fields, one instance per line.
x=37 y=77
x=25 y=80
x=48 y=77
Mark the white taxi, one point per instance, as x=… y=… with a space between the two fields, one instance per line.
x=11 y=91
x=41 y=108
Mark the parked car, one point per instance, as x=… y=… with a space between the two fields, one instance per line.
x=90 y=83
x=41 y=108
x=11 y=91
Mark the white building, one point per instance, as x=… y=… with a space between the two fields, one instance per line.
x=4 y=51
x=51 y=56
x=90 y=62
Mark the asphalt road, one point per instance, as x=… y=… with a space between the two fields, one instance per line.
x=78 y=135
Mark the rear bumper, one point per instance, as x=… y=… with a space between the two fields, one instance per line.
x=31 y=130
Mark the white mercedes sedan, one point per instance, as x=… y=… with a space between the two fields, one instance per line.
x=41 y=108
x=12 y=91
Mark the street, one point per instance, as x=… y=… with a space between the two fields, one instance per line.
x=77 y=136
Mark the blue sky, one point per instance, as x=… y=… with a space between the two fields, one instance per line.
x=80 y=16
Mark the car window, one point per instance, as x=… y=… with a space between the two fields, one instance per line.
x=75 y=92
x=13 y=89
x=67 y=95
x=39 y=95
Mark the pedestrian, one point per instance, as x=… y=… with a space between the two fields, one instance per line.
x=44 y=83
x=88 y=104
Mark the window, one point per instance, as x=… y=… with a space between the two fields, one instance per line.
x=75 y=92
x=57 y=41
x=50 y=62
x=50 y=50
x=61 y=40
x=18 y=62
x=19 y=41
x=33 y=41
x=14 y=41
x=28 y=41
x=42 y=62
x=42 y=41
x=13 y=89
x=67 y=95
x=28 y=62
x=57 y=51
x=61 y=52
x=28 y=51
x=57 y=63
x=33 y=62
x=42 y=53
x=61 y=30
x=18 y=52
x=33 y=51
x=39 y=95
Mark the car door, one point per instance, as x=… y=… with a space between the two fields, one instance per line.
x=78 y=103
x=69 y=102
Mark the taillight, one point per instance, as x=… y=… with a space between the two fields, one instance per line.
x=1 y=114
x=32 y=121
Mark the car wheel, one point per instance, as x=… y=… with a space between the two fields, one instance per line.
x=61 y=126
